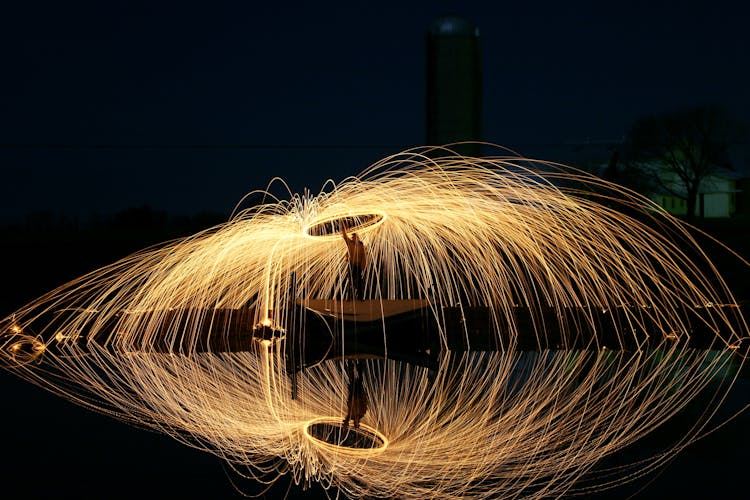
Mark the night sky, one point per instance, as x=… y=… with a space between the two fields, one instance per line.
x=184 y=107
x=187 y=107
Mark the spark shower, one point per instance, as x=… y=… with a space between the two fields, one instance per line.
x=600 y=317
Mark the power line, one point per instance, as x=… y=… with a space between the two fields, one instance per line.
x=257 y=147
x=191 y=146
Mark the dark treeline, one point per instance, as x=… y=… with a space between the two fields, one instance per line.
x=734 y=233
x=47 y=249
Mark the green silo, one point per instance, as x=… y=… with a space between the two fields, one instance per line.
x=453 y=104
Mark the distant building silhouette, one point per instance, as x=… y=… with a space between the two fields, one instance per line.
x=453 y=104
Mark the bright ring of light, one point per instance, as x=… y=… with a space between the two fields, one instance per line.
x=26 y=349
x=331 y=227
x=329 y=433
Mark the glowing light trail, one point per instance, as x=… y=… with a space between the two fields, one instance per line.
x=444 y=231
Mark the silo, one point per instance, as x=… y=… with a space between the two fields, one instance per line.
x=453 y=104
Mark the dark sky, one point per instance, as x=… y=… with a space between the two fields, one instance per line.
x=226 y=95
x=107 y=105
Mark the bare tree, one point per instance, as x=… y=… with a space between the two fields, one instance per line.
x=683 y=148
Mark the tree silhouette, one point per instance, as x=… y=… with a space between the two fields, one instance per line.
x=683 y=148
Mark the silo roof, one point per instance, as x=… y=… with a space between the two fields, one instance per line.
x=454 y=26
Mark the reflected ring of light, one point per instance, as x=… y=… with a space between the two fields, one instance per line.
x=350 y=445
x=26 y=349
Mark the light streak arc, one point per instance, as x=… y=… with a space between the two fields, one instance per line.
x=495 y=233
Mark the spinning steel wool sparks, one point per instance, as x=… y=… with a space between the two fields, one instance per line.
x=520 y=321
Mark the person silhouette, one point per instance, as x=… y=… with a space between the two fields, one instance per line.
x=357 y=258
x=356 y=403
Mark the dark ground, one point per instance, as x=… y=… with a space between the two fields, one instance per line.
x=54 y=449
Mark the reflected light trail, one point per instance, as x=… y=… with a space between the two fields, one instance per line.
x=137 y=340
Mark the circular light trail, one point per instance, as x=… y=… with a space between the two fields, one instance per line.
x=331 y=434
x=149 y=339
x=355 y=224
